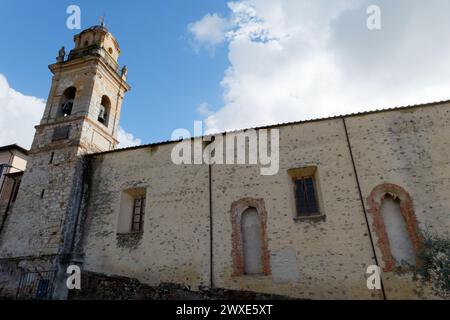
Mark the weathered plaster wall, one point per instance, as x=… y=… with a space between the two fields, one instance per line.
x=324 y=258
x=304 y=255
x=308 y=259
x=174 y=246
x=409 y=148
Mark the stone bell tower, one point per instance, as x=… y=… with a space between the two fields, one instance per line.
x=81 y=117
x=85 y=98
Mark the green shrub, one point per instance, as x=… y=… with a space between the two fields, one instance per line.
x=435 y=262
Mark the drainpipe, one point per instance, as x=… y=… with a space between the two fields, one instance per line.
x=211 y=249
x=211 y=242
x=362 y=202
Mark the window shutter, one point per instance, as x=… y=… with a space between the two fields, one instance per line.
x=305 y=195
x=311 y=196
x=300 y=197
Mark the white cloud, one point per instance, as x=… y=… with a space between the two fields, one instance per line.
x=204 y=109
x=208 y=31
x=18 y=115
x=298 y=59
x=126 y=139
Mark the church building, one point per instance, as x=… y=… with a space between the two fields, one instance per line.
x=351 y=192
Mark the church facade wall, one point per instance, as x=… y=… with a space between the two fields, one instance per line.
x=307 y=258
x=175 y=243
x=304 y=254
x=408 y=148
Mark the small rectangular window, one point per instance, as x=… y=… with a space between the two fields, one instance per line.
x=305 y=197
x=137 y=220
x=305 y=191
x=132 y=210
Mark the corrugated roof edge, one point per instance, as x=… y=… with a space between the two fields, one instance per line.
x=429 y=104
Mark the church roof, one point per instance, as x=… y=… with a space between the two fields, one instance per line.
x=355 y=114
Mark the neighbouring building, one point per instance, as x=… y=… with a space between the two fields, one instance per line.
x=13 y=160
x=351 y=191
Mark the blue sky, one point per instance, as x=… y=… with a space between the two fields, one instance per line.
x=245 y=62
x=168 y=78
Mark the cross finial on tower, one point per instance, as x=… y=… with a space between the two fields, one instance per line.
x=102 y=20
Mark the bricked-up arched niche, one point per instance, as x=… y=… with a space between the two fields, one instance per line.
x=394 y=221
x=105 y=107
x=251 y=241
x=67 y=100
x=250 y=251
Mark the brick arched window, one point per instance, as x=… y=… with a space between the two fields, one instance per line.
x=384 y=193
x=249 y=208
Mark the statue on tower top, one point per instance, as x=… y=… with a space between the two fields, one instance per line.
x=102 y=21
x=61 y=54
x=124 y=72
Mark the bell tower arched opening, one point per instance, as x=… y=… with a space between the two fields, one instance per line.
x=67 y=100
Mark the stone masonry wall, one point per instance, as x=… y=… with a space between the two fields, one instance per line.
x=33 y=226
x=11 y=271
x=324 y=258
x=409 y=148
x=174 y=245
x=101 y=287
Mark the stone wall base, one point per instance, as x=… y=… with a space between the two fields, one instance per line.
x=97 y=286
x=12 y=270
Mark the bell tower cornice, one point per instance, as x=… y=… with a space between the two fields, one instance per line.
x=92 y=62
